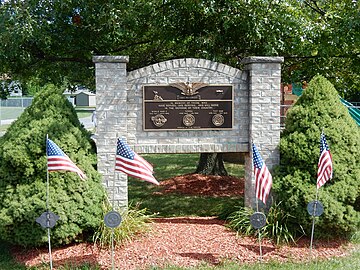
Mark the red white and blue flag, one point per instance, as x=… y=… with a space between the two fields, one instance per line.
x=57 y=160
x=263 y=178
x=325 y=167
x=132 y=164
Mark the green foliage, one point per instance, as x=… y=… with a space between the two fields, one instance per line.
x=68 y=266
x=23 y=167
x=275 y=227
x=319 y=108
x=62 y=36
x=6 y=261
x=226 y=210
x=135 y=221
x=4 y=89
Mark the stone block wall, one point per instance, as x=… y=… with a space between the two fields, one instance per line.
x=120 y=112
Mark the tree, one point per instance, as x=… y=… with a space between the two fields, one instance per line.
x=23 y=167
x=4 y=89
x=314 y=36
x=211 y=164
x=319 y=108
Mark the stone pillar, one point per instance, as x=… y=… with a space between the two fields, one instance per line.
x=111 y=111
x=264 y=78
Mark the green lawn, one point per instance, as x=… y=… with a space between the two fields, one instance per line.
x=348 y=263
x=15 y=112
x=169 y=205
x=7 y=113
x=10 y=112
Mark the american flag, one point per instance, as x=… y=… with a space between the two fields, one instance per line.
x=57 y=160
x=325 y=168
x=132 y=164
x=263 y=178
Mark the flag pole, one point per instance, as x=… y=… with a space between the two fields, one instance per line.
x=259 y=233
x=47 y=206
x=313 y=221
x=113 y=209
x=257 y=210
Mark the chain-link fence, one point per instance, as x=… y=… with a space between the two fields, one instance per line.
x=16 y=102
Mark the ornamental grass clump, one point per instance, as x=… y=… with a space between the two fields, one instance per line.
x=275 y=228
x=23 y=175
x=134 y=222
x=319 y=109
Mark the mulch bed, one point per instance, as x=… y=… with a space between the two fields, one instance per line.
x=186 y=241
x=204 y=185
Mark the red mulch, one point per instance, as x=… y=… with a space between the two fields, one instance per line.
x=205 y=185
x=186 y=241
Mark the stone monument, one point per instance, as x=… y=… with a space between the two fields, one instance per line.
x=187 y=106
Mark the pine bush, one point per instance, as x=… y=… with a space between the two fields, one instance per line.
x=23 y=175
x=319 y=108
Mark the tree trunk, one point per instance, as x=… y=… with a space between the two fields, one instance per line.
x=211 y=164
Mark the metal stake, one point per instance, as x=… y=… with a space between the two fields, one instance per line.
x=47 y=205
x=313 y=222
x=112 y=229
x=112 y=250
x=259 y=233
x=260 y=258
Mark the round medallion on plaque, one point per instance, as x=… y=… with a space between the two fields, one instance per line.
x=218 y=120
x=159 y=120
x=189 y=120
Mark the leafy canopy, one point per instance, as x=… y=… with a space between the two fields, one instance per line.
x=62 y=36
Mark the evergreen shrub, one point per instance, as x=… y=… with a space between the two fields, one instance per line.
x=319 y=108
x=23 y=175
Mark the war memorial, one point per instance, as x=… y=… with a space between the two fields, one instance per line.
x=187 y=106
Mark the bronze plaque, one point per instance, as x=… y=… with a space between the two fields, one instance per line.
x=186 y=106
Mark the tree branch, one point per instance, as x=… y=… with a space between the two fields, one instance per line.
x=316 y=8
x=121 y=48
x=319 y=56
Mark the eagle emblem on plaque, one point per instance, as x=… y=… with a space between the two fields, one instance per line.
x=188 y=88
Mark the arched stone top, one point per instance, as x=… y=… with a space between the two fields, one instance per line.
x=182 y=63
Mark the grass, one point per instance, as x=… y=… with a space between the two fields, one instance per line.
x=3 y=128
x=6 y=261
x=83 y=114
x=347 y=263
x=170 y=205
x=11 y=112
x=14 y=112
x=7 y=113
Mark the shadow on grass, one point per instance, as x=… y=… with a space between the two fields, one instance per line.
x=172 y=204
x=6 y=260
